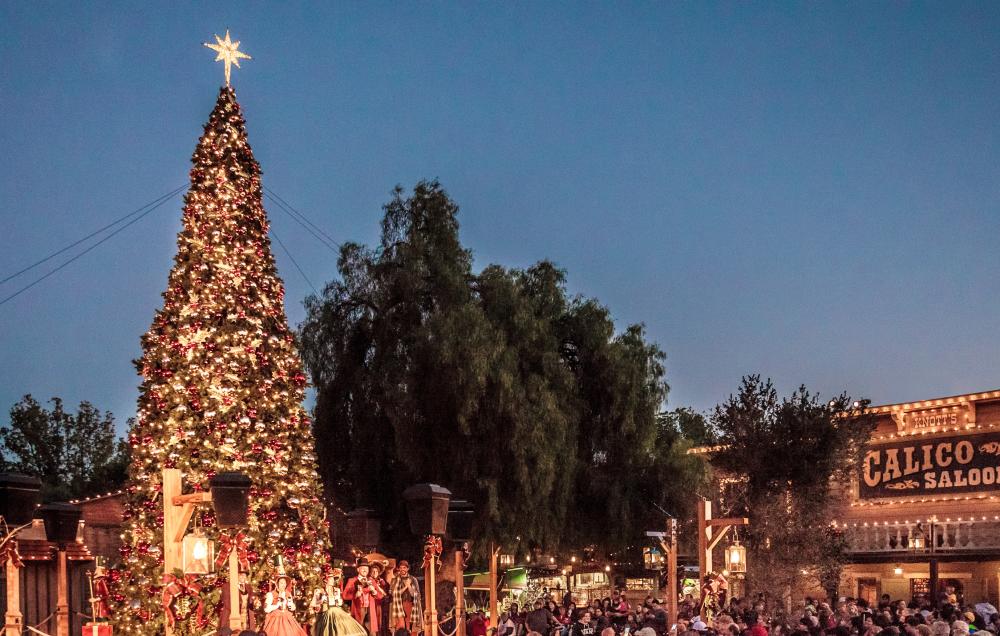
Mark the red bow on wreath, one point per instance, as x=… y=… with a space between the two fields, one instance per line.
x=240 y=544
x=9 y=551
x=175 y=587
x=432 y=550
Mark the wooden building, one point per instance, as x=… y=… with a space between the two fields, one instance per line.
x=923 y=510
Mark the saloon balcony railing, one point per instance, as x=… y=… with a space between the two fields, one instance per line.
x=923 y=538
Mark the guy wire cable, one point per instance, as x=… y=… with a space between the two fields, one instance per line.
x=92 y=234
x=89 y=249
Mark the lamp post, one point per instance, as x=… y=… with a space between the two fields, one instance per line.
x=427 y=509
x=461 y=515
x=921 y=542
x=229 y=494
x=668 y=542
x=708 y=538
x=62 y=520
x=19 y=496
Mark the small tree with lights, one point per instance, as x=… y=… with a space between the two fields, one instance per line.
x=222 y=391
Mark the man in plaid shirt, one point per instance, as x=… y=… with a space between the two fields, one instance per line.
x=404 y=608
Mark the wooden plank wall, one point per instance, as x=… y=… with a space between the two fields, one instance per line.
x=38 y=594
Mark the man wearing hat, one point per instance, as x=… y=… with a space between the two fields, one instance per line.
x=365 y=595
x=404 y=607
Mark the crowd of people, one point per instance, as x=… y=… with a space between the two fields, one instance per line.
x=846 y=617
x=551 y=617
x=378 y=603
x=615 y=616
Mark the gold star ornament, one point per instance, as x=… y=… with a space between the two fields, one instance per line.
x=228 y=52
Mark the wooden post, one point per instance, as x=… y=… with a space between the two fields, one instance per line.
x=672 y=570
x=704 y=538
x=494 y=601
x=62 y=596
x=13 y=618
x=459 y=593
x=934 y=582
x=430 y=593
x=173 y=521
x=235 y=615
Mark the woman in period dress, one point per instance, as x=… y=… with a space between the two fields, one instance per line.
x=331 y=617
x=279 y=608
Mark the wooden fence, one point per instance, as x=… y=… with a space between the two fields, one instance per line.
x=38 y=594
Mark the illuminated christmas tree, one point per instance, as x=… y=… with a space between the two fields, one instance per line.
x=222 y=391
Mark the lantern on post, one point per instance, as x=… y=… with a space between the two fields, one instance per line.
x=62 y=522
x=19 y=496
x=427 y=509
x=193 y=553
x=736 y=558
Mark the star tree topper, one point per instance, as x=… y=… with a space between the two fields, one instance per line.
x=228 y=52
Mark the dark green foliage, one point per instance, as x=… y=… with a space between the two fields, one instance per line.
x=787 y=455
x=497 y=385
x=692 y=426
x=75 y=454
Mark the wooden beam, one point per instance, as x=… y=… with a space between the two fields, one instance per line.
x=717 y=538
x=193 y=498
x=729 y=521
x=183 y=519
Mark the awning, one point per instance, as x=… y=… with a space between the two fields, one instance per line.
x=512 y=579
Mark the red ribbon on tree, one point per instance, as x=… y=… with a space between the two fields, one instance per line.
x=432 y=549
x=241 y=544
x=175 y=587
x=9 y=551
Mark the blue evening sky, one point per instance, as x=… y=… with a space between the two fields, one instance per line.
x=806 y=190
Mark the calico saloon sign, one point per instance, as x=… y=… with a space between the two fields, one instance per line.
x=953 y=465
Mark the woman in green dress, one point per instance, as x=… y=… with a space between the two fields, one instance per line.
x=331 y=617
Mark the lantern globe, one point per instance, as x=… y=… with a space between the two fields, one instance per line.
x=427 y=509
x=736 y=558
x=198 y=553
x=230 y=499
x=19 y=496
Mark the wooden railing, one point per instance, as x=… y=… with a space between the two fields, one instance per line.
x=907 y=537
